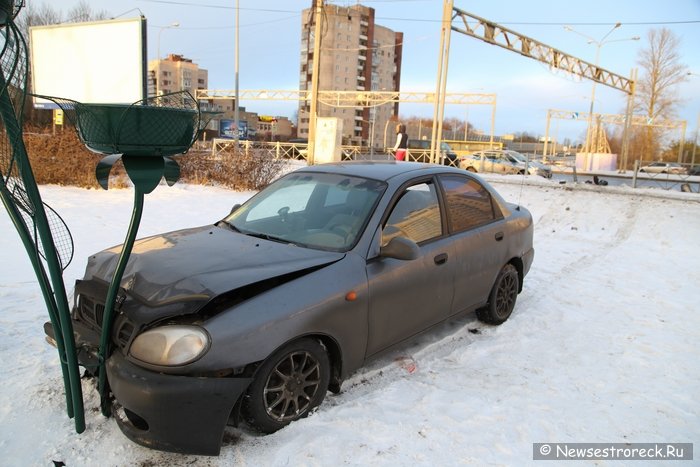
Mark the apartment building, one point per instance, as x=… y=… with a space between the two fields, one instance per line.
x=175 y=73
x=356 y=55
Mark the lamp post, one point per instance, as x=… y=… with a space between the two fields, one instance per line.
x=697 y=128
x=172 y=25
x=599 y=44
x=236 y=107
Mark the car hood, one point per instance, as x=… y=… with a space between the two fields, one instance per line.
x=200 y=263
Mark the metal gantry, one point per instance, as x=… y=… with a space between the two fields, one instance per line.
x=616 y=119
x=344 y=99
x=495 y=34
x=350 y=98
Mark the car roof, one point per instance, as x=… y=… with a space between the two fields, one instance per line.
x=379 y=170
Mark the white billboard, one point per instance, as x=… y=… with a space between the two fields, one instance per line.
x=97 y=61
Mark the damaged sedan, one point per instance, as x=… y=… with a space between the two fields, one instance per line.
x=254 y=318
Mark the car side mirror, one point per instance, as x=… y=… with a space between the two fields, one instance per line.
x=235 y=208
x=400 y=248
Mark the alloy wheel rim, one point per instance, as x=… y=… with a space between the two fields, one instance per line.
x=505 y=298
x=291 y=386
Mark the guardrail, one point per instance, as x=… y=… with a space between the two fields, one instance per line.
x=299 y=151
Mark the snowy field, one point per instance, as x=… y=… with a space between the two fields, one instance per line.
x=603 y=345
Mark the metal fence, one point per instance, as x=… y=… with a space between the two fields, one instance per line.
x=299 y=151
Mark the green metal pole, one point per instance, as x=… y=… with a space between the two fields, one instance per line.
x=111 y=298
x=45 y=287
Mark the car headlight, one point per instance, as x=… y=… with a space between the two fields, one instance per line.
x=170 y=345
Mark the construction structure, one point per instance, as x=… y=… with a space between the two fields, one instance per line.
x=597 y=138
x=455 y=19
x=356 y=55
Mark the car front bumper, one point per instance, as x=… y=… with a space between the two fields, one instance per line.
x=181 y=414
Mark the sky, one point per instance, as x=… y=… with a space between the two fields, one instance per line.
x=602 y=345
x=270 y=45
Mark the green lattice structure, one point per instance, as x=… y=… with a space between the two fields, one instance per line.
x=44 y=235
x=145 y=135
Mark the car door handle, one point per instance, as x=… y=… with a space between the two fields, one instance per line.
x=499 y=236
x=441 y=258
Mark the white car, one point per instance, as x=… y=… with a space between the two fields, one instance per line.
x=664 y=168
x=505 y=162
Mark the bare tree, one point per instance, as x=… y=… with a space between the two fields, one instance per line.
x=46 y=14
x=82 y=11
x=656 y=95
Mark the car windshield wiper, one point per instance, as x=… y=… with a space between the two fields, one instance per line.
x=265 y=236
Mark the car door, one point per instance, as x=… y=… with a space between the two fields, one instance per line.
x=477 y=229
x=408 y=296
x=493 y=164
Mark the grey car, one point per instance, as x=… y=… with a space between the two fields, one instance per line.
x=255 y=317
x=504 y=161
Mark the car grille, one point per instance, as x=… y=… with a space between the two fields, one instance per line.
x=91 y=312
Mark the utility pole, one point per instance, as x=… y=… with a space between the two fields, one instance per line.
x=236 y=116
x=443 y=59
x=318 y=16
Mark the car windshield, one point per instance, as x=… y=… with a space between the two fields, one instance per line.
x=314 y=210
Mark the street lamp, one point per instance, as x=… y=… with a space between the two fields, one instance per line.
x=599 y=44
x=697 y=128
x=174 y=24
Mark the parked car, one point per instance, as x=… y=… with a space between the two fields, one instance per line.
x=255 y=317
x=505 y=162
x=664 y=168
x=694 y=170
x=419 y=151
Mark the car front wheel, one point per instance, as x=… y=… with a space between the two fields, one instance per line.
x=287 y=386
x=502 y=297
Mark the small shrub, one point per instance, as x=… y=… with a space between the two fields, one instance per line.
x=253 y=169
x=62 y=159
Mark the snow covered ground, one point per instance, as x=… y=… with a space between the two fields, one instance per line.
x=602 y=347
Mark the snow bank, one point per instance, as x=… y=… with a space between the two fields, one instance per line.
x=602 y=346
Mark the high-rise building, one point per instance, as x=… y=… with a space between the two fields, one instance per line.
x=175 y=73
x=356 y=55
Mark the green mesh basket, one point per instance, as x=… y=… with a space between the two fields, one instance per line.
x=136 y=130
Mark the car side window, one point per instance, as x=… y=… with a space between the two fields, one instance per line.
x=416 y=215
x=469 y=204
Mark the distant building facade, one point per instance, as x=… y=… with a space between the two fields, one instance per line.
x=175 y=73
x=356 y=55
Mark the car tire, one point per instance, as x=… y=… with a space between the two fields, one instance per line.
x=471 y=169
x=287 y=386
x=502 y=297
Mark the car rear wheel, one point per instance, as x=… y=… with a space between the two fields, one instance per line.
x=288 y=385
x=502 y=297
x=471 y=169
